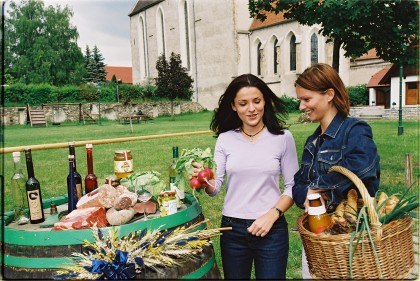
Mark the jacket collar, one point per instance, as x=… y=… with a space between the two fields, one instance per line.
x=332 y=129
x=335 y=125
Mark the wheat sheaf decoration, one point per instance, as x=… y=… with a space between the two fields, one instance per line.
x=117 y=258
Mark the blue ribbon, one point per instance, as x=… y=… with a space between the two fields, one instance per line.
x=119 y=269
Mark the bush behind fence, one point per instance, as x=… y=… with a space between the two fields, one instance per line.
x=21 y=94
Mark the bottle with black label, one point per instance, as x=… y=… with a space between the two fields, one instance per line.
x=77 y=176
x=33 y=192
x=71 y=187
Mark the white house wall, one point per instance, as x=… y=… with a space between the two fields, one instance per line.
x=395 y=89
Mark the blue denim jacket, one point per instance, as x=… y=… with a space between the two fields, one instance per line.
x=347 y=142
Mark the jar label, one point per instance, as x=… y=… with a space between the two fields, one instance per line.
x=34 y=202
x=168 y=207
x=317 y=210
x=125 y=166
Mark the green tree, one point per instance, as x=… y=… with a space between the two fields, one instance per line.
x=390 y=27
x=98 y=60
x=95 y=66
x=41 y=44
x=173 y=81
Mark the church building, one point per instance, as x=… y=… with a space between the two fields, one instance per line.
x=218 y=40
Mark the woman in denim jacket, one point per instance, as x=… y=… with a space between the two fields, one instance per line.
x=338 y=140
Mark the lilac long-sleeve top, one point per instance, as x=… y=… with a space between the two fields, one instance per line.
x=253 y=170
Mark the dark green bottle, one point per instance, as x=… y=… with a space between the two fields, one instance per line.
x=33 y=192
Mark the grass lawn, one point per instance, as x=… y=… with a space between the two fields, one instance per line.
x=51 y=166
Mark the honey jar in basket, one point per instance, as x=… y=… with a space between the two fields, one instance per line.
x=318 y=219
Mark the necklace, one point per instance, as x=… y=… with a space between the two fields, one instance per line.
x=253 y=135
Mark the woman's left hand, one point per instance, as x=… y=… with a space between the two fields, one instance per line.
x=262 y=225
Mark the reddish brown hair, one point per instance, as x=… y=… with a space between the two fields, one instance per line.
x=321 y=77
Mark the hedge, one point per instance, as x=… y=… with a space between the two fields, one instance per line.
x=37 y=94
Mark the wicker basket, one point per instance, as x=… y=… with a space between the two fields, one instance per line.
x=328 y=255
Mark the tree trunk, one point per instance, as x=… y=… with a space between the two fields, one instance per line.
x=336 y=55
x=172 y=109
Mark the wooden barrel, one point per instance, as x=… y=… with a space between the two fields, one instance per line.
x=40 y=253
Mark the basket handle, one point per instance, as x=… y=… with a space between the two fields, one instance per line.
x=367 y=200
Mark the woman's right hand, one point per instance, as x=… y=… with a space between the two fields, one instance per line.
x=197 y=168
x=312 y=191
x=211 y=185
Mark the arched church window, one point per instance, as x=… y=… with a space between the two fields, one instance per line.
x=143 y=49
x=314 y=49
x=259 y=58
x=293 y=53
x=275 y=56
x=160 y=32
x=187 y=35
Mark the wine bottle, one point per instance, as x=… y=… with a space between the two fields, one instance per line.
x=33 y=192
x=77 y=176
x=172 y=178
x=91 y=181
x=18 y=191
x=172 y=170
x=318 y=218
x=71 y=187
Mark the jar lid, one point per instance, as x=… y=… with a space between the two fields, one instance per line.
x=313 y=196
x=89 y=145
x=167 y=193
x=122 y=151
x=16 y=154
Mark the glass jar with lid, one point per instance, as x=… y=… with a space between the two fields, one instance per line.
x=123 y=163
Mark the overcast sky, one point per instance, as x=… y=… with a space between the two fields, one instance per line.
x=104 y=23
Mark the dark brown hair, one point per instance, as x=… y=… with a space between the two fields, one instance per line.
x=321 y=77
x=225 y=118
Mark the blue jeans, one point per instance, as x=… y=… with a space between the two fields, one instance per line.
x=240 y=248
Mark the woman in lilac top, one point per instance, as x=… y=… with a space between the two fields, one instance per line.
x=252 y=150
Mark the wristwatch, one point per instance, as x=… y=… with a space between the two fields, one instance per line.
x=278 y=211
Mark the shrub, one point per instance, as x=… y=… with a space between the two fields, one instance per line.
x=89 y=92
x=358 y=95
x=292 y=104
x=68 y=94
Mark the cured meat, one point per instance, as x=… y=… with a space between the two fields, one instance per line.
x=103 y=196
x=106 y=196
x=83 y=218
x=151 y=207
x=119 y=217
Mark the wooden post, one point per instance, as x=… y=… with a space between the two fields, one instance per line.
x=80 y=113
x=408 y=169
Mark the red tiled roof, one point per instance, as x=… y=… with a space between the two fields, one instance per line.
x=271 y=19
x=377 y=77
x=411 y=70
x=125 y=73
x=371 y=54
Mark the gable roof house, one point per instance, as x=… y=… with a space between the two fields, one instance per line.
x=217 y=41
x=384 y=87
x=123 y=73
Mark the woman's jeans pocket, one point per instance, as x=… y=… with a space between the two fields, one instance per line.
x=240 y=249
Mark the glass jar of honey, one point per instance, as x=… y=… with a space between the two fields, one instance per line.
x=123 y=163
x=168 y=203
x=318 y=219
